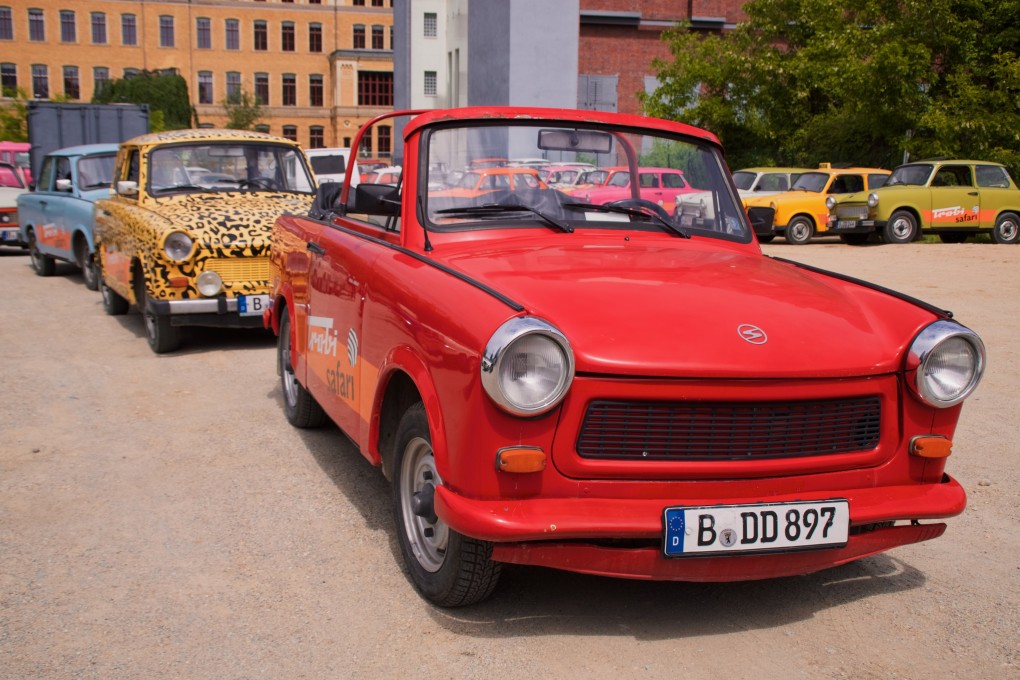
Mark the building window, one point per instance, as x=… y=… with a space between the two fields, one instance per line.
x=375 y=88
x=384 y=135
x=40 y=81
x=203 y=33
x=8 y=79
x=289 y=89
x=233 y=38
x=100 y=77
x=233 y=85
x=287 y=36
x=290 y=132
x=314 y=37
x=314 y=2
x=262 y=88
x=430 y=83
x=72 y=84
x=128 y=29
x=99 y=28
x=315 y=90
x=366 y=145
x=431 y=25
x=6 y=24
x=262 y=127
x=316 y=140
x=261 y=36
x=377 y=38
x=166 y=31
x=358 y=3
x=359 y=37
x=347 y=142
x=68 y=30
x=205 y=87
x=36 y=25
x=377 y=3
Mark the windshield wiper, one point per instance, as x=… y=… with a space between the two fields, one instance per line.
x=490 y=209
x=633 y=212
x=181 y=187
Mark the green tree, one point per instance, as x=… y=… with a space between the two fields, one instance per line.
x=14 y=117
x=165 y=93
x=851 y=81
x=243 y=111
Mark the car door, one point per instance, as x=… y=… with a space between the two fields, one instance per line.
x=996 y=193
x=954 y=198
x=59 y=228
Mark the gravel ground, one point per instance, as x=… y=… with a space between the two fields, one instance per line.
x=159 y=518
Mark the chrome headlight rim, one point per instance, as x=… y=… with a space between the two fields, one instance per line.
x=176 y=239
x=830 y=203
x=924 y=348
x=872 y=200
x=209 y=283
x=497 y=350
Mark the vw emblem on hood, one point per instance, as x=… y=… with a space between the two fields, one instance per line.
x=752 y=334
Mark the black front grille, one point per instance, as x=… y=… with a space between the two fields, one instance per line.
x=625 y=430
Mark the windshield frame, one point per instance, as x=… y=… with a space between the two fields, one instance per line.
x=280 y=151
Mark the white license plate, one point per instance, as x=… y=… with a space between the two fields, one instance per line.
x=250 y=305
x=768 y=527
x=846 y=224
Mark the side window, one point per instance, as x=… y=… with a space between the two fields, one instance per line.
x=63 y=168
x=648 y=181
x=46 y=175
x=846 y=184
x=992 y=176
x=673 y=180
x=952 y=176
x=876 y=181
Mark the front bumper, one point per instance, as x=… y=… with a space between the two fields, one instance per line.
x=10 y=235
x=219 y=312
x=576 y=533
x=855 y=226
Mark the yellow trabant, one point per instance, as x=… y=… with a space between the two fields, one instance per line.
x=184 y=235
x=801 y=212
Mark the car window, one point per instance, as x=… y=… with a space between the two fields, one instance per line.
x=673 y=180
x=63 y=168
x=992 y=176
x=744 y=180
x=876 y=181
x=619 y=179
x=95 y=171
x=952 y=176
x=773 y=181
x=45 y=182
x=846 y=184
x=132 y=166
x=9 y=178
x=811 y=181
x=647 y=180
x=914 y=175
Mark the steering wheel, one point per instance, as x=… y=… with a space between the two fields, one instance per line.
x=642 y=204
x=258 y=183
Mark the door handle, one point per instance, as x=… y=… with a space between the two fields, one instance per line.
x=316 y=248
x=972 y=193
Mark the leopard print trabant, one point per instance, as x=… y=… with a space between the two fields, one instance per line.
x=223 y=225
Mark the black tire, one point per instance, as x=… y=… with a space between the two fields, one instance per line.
x=447 y=568
x=44 y=265
x=299 y=405
x=901 y=228
x=1007 y=229
x=87 y=263
x=953 y=236
x=766 y=238
x=113 y=304
x=799 y=230
x=162 y=336
x=854 y=239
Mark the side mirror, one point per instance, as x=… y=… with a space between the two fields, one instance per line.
x=127 y=187
x=761 y=220
x=376 y=199
x=63 y=185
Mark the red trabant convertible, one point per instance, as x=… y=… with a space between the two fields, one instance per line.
x=608 y=389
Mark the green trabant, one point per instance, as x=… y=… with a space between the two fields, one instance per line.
x=954 y=199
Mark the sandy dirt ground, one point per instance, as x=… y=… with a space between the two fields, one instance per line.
x=160 y=518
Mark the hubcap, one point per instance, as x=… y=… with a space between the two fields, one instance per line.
x=1008 y=230
x=901 y=228
x=289 y=382
x=426 y=533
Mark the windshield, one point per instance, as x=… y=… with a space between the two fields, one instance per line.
x=811 y=181
x=684 y=185
x=228 y=166
x=916 y=175
x=744 y=180
x=96 y=172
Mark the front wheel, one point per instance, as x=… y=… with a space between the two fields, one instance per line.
x=1007 y=229
x=901 y=228
x=44 y=265
x=299 y=405
x=162 y=336
x=799 y=231
x=87 y=263
x=447 y=568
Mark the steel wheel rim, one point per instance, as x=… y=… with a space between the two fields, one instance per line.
x=428 y=540
x=1008 y=230
x=800 y=231
x=289 y=381
x=901 y=227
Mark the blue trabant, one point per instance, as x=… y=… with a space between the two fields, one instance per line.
x=56 y=218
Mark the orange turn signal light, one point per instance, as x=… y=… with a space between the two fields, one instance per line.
x=931 y=446
x=520 y=459
x=179 y=281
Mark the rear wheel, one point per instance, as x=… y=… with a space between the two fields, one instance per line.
x=901 y=228
x=449 y=569
x=766 y=238
x=1007 y=229
x=299 y=405
x=163 y=337
x=44 y=265
x=87 y=263
x=800 y=230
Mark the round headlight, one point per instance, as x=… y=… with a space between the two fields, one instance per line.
x=209 y=284
x=527 y=366
x=177 y=245
x=872 y=200
x=945 y=363
x=830 y=203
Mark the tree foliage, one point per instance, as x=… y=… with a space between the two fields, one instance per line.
x=243 y=111
x=165 y=93
x=851 y=81
x=14 y=116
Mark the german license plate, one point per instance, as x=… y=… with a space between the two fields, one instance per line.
x=250 y=305
x=846 y=224
x=766 y=527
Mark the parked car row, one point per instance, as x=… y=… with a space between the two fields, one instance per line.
x=954 y=199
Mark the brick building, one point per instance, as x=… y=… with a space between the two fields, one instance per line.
x=319 y=67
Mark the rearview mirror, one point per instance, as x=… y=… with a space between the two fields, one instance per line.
x=590 y=141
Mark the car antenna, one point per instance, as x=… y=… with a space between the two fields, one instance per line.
x=424 y=227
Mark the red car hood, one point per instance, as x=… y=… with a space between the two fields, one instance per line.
x=683 y=308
